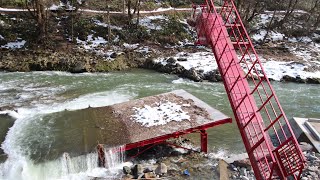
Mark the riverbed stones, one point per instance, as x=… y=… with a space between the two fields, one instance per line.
x=149 y=175
x=162 y=169
x=126 y=170
x=305 y=146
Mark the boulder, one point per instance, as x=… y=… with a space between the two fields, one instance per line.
x=162 y=169
x=137 y=170
x=113 y=55
x=305 y=146
x=79 y=67
x=126 y=170
x=149 y=175
x=245 y=163
x=182 y=59
x=193 y=75
x=171 y=60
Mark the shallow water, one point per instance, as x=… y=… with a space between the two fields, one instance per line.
x=43 y=130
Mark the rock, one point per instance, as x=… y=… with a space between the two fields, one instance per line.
x=149 y=175
x=113 y=55
x=243 y=171
x=182 y=59
x=171 y=60
x=192 y=74
x=126 y=170
x=305 y=146
x=162 y=169
x=213 y=76
x=127 y=177
x=137 y=170
x=313 y=80
x=78 y=68
x=313 y=168
x=245 y=163
x=245 y=178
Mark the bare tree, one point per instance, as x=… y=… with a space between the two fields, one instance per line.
x=38 y=12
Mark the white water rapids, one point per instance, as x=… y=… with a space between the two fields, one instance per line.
x=36 y=142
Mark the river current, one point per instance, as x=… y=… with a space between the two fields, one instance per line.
x=39 y=139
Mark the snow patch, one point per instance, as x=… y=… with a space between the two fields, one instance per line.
x=201 y=61
x=14 y=45
x=160 y=114
x=130 y=46
x=277 y=70
x=99 y=23
x=92 y=42
x=148 y=22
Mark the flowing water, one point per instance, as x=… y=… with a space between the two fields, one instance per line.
x=41 y=139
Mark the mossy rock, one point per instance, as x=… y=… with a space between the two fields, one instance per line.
x=120 y=63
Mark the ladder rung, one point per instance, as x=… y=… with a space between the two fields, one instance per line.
x=240 y=43
x=256 y=145
x=233 y=25
x=255 y=88
x=243 y=98
x=273 y=122
x=235 y=82
x=252 y=117
x=265 y=102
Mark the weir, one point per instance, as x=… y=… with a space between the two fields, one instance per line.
x=155 y=119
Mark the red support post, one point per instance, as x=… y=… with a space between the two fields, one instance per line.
x=101 y=155
x=204 y=141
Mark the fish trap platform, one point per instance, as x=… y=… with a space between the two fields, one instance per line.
x=170 y=115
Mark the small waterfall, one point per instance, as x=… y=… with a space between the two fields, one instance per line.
x=66 y=167
x=114 y=157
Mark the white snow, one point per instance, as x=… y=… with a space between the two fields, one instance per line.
x=160 y=114
x=92 y=42
x=276 y=70
x=148 y=22
x=14 y=45
x=259 y=36
x=276 y=36
x=1 y=37
x=99 y=23
x=130 y=46
x=202 y=61
x=273 y=35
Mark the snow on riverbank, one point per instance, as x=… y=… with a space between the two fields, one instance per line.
x=204 y=62
x=200 y=61
x=13 y=45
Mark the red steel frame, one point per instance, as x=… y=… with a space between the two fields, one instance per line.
x=161 y=139
x=268 y=138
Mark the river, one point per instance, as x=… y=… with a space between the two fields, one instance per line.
x=39 y=138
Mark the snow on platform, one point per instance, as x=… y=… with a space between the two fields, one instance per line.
x=154 y=117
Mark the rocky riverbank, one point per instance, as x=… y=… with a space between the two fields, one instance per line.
x=186 y=62
x=177 y=164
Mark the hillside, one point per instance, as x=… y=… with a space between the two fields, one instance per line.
x=88 y=40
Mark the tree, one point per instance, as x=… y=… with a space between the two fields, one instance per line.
x=38 y=12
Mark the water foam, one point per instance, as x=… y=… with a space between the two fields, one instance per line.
x=18 y=166
x=66 y=167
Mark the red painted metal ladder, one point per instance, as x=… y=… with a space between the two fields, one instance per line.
x=268 y=138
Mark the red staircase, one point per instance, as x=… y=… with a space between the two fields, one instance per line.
x=268 y=138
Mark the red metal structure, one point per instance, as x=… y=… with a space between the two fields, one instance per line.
x=268 y=138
